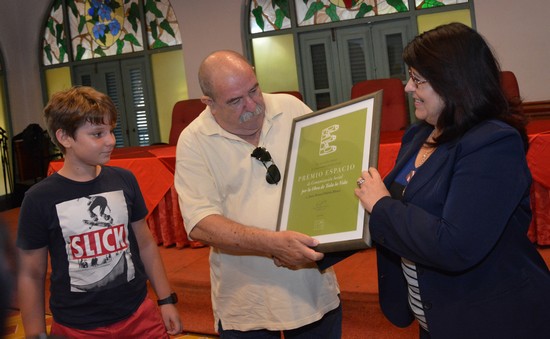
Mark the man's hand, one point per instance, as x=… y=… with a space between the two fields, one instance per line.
x=294 y=250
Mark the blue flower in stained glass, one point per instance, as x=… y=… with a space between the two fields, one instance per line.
x=99 y=30
x=105 y=13
x=114 y=27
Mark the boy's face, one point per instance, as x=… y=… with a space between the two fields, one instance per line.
x=92 y=144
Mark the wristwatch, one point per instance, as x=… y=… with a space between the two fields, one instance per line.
x=172 y=299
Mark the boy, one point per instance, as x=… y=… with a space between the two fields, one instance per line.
x=91 y=220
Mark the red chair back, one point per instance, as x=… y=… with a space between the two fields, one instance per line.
x=183 y=113
x=395 y=113
x=295 y=93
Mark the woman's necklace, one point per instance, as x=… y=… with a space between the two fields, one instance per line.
x=426 y=150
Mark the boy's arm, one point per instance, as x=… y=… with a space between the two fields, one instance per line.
x=31 y=276
x=154 y=268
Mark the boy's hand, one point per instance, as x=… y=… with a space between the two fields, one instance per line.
x=171 y=318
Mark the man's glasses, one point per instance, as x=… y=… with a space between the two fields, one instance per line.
x=415 y=79
x=273 y=175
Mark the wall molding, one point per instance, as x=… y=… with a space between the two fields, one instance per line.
x=536 y=110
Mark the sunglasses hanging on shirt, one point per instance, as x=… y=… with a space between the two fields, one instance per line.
x=273 y=176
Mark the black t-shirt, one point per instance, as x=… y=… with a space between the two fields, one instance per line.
x=97 y=275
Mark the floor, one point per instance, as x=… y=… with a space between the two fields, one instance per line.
x=188 y=272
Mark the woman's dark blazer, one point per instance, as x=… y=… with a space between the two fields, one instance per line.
x=463 y=220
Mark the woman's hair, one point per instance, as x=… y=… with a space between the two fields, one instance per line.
x=461 y=68
x=70 y=109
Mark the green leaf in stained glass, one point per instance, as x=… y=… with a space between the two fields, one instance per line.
x=131 y=39
x=81 y=24
x=258 y=15
x=133 y=15
x=62 y=54
x=363 y=10
x=103 y=38
x=72 y=6
x=154 y=30
x=283 y=6
x=151 y=6
x=431 y=4
x=280 y=16
x=62 y=50
x=331 y=12
x=59 y=33
x=48 y=52
x=313 y=8
x=113 y=4
x=119 y=46
x=165 y=25
x=398 y=5
x=99 y=51
x=49 y=24
x=56 y=5
x=159 y=44
x=79 y=52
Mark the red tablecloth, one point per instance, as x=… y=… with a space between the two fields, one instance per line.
x=538 y=158
x=154 y=168
x=155 y=177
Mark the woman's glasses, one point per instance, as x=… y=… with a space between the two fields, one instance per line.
x=273 y=176
x=416 y=80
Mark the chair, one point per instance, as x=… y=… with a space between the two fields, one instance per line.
x=295 y=93
x=395 y=113
x=510 y=85
x=183 y=113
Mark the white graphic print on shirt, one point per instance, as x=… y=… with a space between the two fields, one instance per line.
x=95 y=229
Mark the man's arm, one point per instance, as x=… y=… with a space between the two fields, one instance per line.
x=288 y=248
x=31 y=276
x=157 y=275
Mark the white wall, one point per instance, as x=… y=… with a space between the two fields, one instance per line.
x=519 y=35
x=20 y=27
x=207 y=26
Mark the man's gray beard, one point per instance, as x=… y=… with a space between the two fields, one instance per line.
x=249 y=115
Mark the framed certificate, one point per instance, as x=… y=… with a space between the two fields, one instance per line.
x=328 y=151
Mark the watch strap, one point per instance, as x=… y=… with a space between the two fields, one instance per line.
x=172 y=299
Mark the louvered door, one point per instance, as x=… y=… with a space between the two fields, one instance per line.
x=126 y=82
x=335 y=59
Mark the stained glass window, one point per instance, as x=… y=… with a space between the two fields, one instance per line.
x=54 y=44
x=272 y=15
x=104 y=27
x=269 y=15
x=162 y=26
x=99 y=28
x=313 y=12
x=421 y=4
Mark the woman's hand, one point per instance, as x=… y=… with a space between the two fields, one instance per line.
x=371 y=189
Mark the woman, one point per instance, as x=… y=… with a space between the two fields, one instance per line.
x=450 y=220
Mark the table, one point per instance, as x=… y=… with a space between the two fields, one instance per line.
x=154 y=168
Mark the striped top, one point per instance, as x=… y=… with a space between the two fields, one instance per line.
x=415 y=302
x=397 y=191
